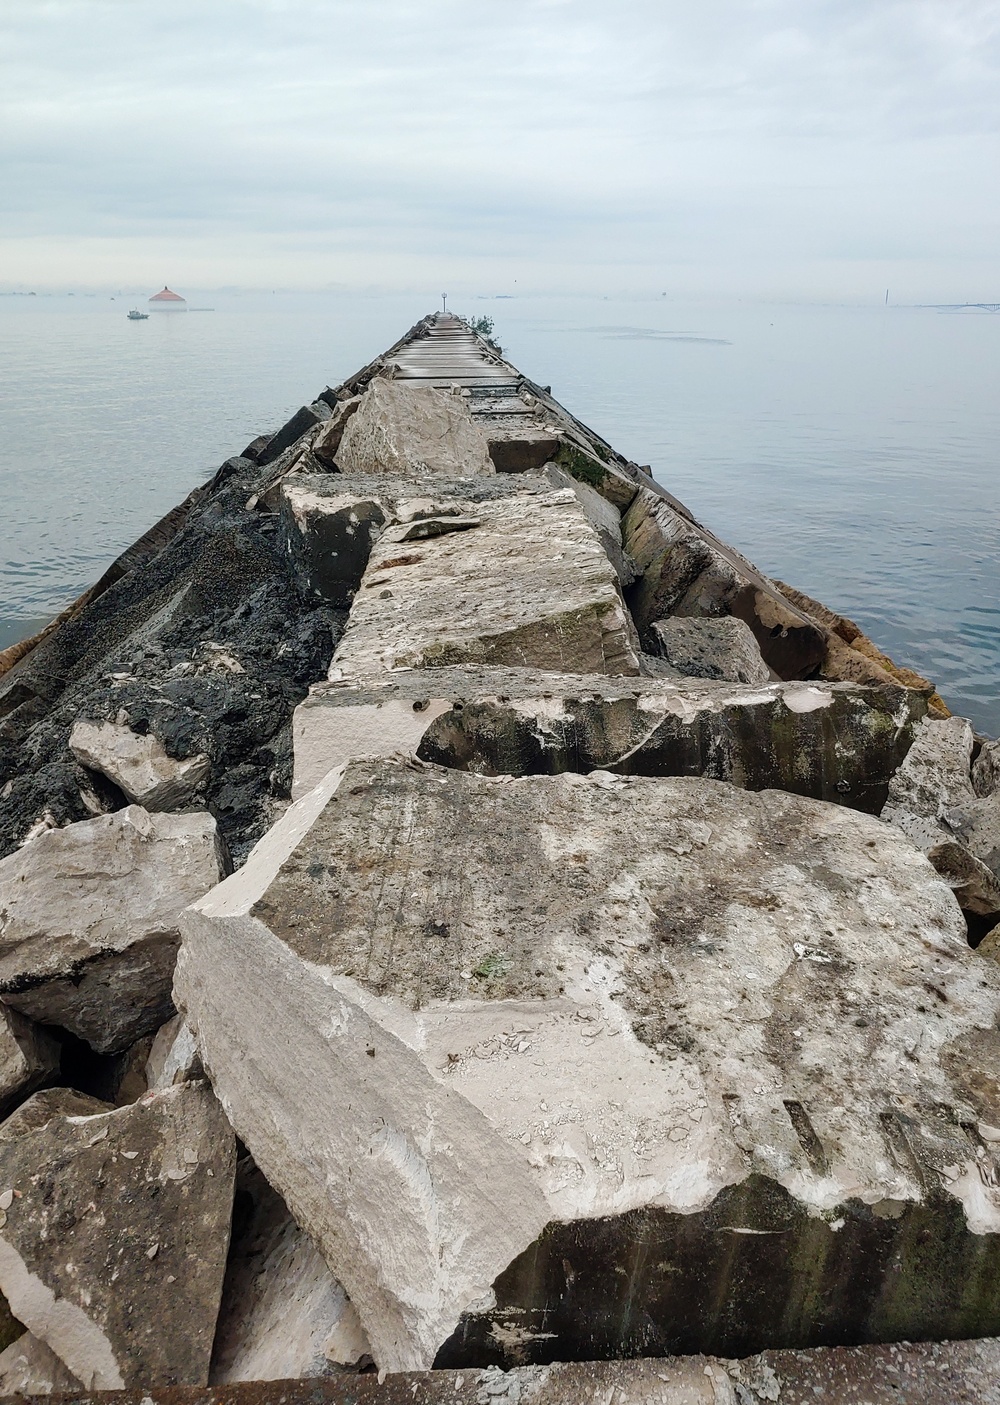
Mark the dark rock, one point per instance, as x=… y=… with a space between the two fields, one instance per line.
x=722 y=648
x=305 y=419
x=113 y=1245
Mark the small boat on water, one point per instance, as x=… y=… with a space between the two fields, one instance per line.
x=136 y=316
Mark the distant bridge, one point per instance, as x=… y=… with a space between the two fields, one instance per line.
x=961 y=306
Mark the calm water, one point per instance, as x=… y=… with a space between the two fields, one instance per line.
x=852 y=452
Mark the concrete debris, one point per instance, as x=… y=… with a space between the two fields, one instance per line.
x=685 y=570
x=139 y=765
x=402 y=429
x=112 y=1250
x=283 y=1316
x=745 y=1025
x=711 y=648
x=611 y=968
x=28 y=1367
x=835 y=742
x=28 y=1056
x=173 y=1057
x=530 y=586
x=89 y=932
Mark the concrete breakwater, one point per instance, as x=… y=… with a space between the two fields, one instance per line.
x=457 y=913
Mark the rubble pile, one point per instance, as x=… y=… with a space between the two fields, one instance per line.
x=458 y=916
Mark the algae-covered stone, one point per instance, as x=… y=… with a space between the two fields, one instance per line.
x=537 y=1060
x=113 y=1242
x=89 y=935
x=832 y=742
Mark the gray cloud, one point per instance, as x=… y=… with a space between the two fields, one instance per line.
x=756 y=142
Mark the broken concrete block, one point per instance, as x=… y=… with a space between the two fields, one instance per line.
x=174 y=1056
x=28 y=1367
x=114 y=1234
x=329 y=539
x=521 y=448
x=90 y=933
x=28 y=1055
x=607 y=479
x=139 y=766
x=400 y=428
x=304 y=419
x=828 y=741
x=686 y=570
x=722 y=648
x=326 y=445
x=530 y=585
x=602 y=1051
x=283 y=1315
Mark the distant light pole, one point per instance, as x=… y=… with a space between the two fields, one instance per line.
x=444 y=302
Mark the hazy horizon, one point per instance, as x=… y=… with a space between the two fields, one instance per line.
x=818 y=151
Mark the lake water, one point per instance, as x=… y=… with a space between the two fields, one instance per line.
x=852 y=452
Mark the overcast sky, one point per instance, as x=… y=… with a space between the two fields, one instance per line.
x=812 y=148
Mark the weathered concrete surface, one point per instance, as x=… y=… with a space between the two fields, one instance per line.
x=139 y=765
x=832 y=742
x=113 y=1243
x=283 y=1314
x=28 y=1367
x=986 y=770
x=608 y=1066
x=403 y=429
x=932 y=799
x=530 y=585
x=686 y=570
x=28 y=1055
x=89 y=931
x=930 y=1373
x=723 y=648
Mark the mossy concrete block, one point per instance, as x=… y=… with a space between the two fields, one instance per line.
x=570 y=1066
x=836 y=742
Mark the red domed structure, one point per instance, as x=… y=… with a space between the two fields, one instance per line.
x=166 y=298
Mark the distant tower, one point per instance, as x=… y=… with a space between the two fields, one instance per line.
x=168 y=300
x=444 y=302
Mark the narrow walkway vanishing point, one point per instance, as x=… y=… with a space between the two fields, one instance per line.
x=458 y=917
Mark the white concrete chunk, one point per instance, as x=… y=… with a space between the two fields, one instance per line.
x=89 y=931
x=28 y=1367
x=534 y=1059
x=138 y=765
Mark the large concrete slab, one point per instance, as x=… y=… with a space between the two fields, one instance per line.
x=836 y=742
x=598 y=1066
x=525 y=582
